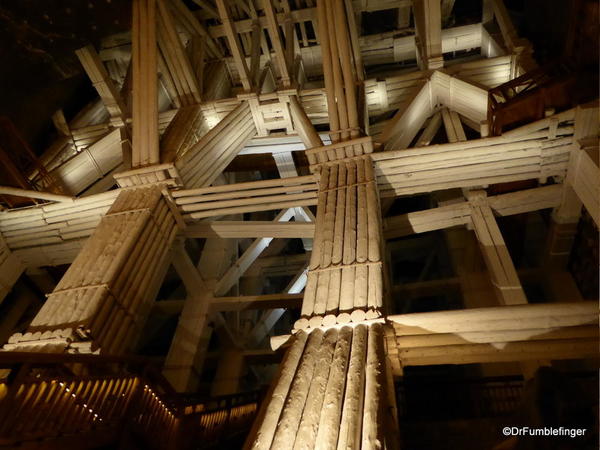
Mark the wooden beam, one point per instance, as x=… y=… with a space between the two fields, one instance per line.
x=548 y=156
x=430 y=130
x=145 y=84
x=454 y=129
x=251 y=229
x=176 y=57
x=499 y=263
x=267 y=301
x=265 y=324
x=514 y=317
x=188 y=339
x=108 y=92
x=29 y=193
x=234 y=45
x=247 y=258
x=273 y=29
x=456 y=214
x=428 y=22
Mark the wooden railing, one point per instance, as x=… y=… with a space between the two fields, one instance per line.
x=86 y=401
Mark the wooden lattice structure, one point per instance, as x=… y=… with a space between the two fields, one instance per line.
x=275 y=77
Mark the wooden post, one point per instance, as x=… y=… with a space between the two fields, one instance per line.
x=506 y=282
x=145 y=94
x=428 y=22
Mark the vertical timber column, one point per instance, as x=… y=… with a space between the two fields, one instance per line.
x=345 y=281
x=330 y=392
x=145 y=84
x=102 y=301
x=428 y=22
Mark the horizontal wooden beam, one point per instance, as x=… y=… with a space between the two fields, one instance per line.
x=517 y=317
x=267 y=301
x=576 y=348
x=459 y=213
x=500 y=334
x=29 y=193
x=252 y=229
x=219 y=304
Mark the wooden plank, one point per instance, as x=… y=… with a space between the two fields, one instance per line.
x=267 y=301
x=145 y=94
x=274 y=35
x=109 y=94
x=234 y=45
x=253 y=229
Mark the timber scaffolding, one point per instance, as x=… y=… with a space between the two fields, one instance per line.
x=224 y=90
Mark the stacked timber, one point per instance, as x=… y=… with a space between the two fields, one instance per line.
x=392 y=47
x=186 y=128
x=206 y=159
x=101 y=155
x=391 y=93
x=464 y=98
x=11 y=267
x=498 y=334
x=488 y=72
x=52 y=254
x=460 y=213
x=164 y=174
x=339 y=70
x=345 y=271
x=341 y=150
x=330 y=390
x=102 y=300
x=535 y=151
x=54 y=223
x=107 y=90
x=401 y=129
x=175 y=65
x=378 y=49
x=264 y=195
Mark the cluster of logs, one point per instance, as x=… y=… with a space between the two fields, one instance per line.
x=54 y=223
x=202 y=163
x=330 y=390
x=345 y=271
x=339 y=70
x=173 y=61
x=102 y=300
x=339 y=150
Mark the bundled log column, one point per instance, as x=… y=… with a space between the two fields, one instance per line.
x=331 y=388
x=328 y=394
x=102 y=301
x=345 y=277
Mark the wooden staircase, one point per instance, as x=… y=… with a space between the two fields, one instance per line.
x=60 y=401
x=554 y=87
